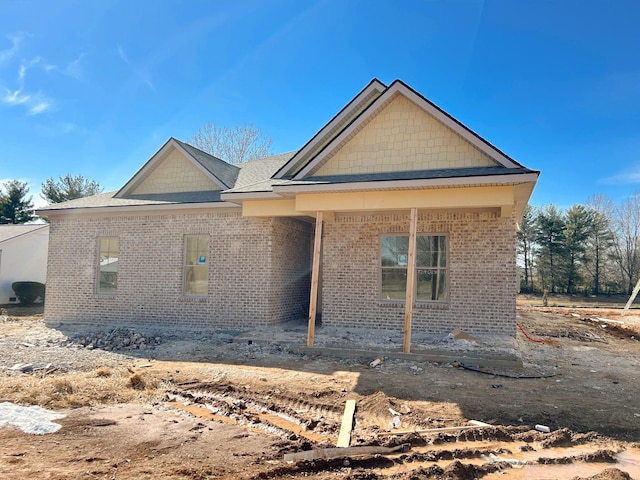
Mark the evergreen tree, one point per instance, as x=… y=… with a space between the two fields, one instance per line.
x=14 y=206
x=68 y=188
x=527 y=233
x=578 y=226
x=550 y=238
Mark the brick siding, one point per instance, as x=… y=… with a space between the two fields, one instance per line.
x=246 y=255
x=482 y=273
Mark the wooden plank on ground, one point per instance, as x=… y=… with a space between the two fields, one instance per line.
x=475 y=424
x=344 y=438
x=327 y=453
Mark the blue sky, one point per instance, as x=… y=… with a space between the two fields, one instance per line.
x=96 y=87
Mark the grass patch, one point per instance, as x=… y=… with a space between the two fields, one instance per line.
x=96 y=388
x=563 y=300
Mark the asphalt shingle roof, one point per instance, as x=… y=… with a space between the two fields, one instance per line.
x=222 y=170
x=7 y=232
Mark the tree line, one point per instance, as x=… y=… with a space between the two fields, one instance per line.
x=16 y=207
x=239 y=144
x=589 y=249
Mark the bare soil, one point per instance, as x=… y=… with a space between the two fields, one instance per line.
x=238 y=406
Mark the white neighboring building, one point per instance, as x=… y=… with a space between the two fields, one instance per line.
x=23 y=257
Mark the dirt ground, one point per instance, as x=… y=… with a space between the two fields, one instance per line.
x=242 y=403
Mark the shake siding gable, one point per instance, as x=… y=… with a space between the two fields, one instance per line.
x=403 y=137
x=175 y=173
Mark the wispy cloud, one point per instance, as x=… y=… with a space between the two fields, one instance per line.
x=36 y=102
x=39 y=108
x=15 y=98
x=628 y=177
x=8 y=53
x=139 y=72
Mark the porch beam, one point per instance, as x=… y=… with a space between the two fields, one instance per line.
x=411 y=280
x=496 y=196
x=269 y=208
x=315 y=277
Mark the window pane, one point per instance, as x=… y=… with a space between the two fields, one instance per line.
x=196 y=280
x=431 y=284
x=196 y=250
x=431 y=251
x=394 y=251
x=394 y=283
x=108 y=265
x=196 y=270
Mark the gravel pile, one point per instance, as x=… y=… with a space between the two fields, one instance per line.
x=120 y=339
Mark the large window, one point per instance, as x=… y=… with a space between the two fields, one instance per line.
x=108 y=249
x=196 y=265
x=431 y=267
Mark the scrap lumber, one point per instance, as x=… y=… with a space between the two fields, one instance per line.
x=344 y=438
x=327 y=453
x=474 y=424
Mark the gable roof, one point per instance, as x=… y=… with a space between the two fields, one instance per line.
x=221 y=173
x=350 y=111
x=310 y=169
x=366 y=115
x=11 y=231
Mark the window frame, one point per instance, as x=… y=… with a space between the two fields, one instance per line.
x=203 y=266
x=99 y=267
x=438 y=268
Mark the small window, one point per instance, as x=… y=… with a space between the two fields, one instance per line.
x=196 y=265
x=431 y=267
x=108 y=251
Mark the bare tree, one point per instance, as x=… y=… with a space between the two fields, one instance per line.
x=627 y=240
x=234 y=145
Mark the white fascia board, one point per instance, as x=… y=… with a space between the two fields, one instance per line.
x=404 y=184
x=375 y=85
x=239 y=196
x=119 y=209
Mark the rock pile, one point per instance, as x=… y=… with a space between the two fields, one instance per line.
x=118 y=339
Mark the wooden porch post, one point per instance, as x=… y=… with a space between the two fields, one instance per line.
x=411 y=280
x=315 y=276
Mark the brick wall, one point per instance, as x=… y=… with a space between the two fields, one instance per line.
x=290 y=269
x=242 y=252
x=482 y=273
x=259 y=272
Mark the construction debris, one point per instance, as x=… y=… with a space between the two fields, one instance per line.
x=474 y=424
x=327 y=453
x=344 y=438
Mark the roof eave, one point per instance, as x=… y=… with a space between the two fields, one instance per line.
x=399 y=87
x=405 y=184
x=374 y=84
x=239 y=196
x=118 y=209
x=139 y=175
